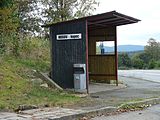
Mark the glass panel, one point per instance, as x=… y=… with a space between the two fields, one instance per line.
x=105 y=47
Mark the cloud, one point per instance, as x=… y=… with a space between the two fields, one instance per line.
x=145 y=10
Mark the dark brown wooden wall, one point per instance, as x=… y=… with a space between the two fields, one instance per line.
x=101 y=67
x=65 y=53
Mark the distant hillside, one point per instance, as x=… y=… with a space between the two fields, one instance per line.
x=131 y=53
x=126 y=48
x=129 y=48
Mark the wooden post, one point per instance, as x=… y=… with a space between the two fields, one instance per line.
x=116 y=56
x=87 y=73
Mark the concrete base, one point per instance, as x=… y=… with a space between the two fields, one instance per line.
x=77 y=91
x=100 y=87
x=80 y=91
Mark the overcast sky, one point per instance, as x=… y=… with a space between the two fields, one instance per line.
x=148 y=11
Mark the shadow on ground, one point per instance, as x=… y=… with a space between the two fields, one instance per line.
x=136 y=90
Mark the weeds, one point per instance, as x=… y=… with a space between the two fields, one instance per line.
x=16 y=77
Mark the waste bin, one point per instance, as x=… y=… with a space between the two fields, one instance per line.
x=79 y=77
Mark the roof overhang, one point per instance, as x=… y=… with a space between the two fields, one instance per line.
x=112 y=18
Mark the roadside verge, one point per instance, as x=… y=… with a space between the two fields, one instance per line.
x=104 y=110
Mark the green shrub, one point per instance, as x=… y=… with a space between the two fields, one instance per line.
x=35 y=48
x=123 y=68
x=157 y=64
x=137 y=63
x=152 y=64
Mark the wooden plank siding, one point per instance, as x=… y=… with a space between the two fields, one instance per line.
x=101 y=67
x=65 y=53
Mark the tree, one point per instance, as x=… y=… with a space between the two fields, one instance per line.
x=8 y=26
x=145 y=57
x=153 y=49
x=137 y=62
x=157 y=64
x=8 y=17
x=152 y=64
x=85 y=7
x=33 y=13
x=124 y=60
x=29 y=16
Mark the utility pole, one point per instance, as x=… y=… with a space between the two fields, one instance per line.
x=62 y=9
x=63 y=4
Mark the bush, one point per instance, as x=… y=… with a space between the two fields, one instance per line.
x=123 y=68
x=145 y=66
x=152 y=64
x=137 y=63
x=124 y=60
x=33 y=52
x=157 y=64
x=35 y=48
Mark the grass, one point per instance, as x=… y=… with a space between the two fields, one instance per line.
x=126 y=104
x=134 y=105
x=17 y=89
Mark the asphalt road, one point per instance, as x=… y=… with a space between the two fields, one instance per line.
x=151 y=113
x=136 y=89
x=150 y=75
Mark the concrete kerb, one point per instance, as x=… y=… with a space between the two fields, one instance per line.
x=104 y=110
x=151 y=101
x=89 y=113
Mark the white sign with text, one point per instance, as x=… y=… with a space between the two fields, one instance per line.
x=69 y=36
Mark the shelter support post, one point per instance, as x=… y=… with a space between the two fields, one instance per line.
x=116 y=57
x=87 y=73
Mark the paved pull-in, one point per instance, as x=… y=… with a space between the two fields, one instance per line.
x=151 y=113
x=151 y=75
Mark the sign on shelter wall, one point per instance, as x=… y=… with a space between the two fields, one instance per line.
x=69 y=36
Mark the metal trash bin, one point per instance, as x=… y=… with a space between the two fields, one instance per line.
x=79 y=77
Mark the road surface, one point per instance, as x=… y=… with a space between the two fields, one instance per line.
x=151 y=113
x=150 y=75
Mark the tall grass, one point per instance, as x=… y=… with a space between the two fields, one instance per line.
x=16 y=78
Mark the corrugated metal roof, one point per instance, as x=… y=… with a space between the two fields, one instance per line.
x=112 y=18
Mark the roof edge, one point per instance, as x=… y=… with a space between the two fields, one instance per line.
x=114 y=13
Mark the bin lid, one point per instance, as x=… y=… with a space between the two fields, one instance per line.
x=79 y=65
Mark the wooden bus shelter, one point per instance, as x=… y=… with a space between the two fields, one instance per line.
x=90 y=31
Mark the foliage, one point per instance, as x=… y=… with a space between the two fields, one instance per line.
x=61 y=10
x=30 y=17
x=35 y=48
x=149 y=59
x=137 y=62
x=85 y=7
x=144 y=56
x=5 y=3
x=153 y=49
x=124 y=60
x=21 y=20
x=157 y=66
x=34 y=13
x=152 y=64
x=123 y=68
x=9 y=24
x=17 y=88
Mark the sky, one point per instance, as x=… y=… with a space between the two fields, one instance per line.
x=148 y=11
